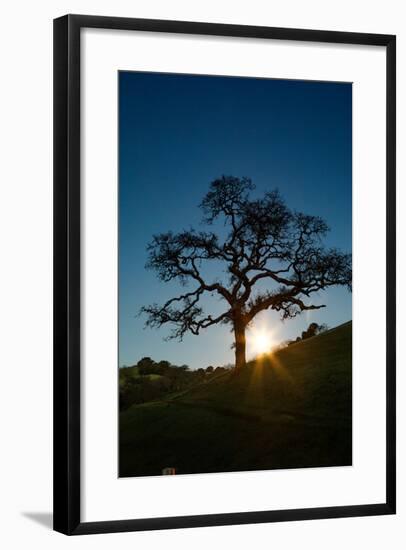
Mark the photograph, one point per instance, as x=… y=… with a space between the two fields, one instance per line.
x=234 y=274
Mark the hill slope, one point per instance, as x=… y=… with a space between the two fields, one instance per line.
x=290 y=410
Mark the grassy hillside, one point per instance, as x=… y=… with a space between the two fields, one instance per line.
x=289 y=410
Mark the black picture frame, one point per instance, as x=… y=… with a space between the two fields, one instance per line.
x=67 y=254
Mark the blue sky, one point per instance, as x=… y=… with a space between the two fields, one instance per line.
x=177 y=133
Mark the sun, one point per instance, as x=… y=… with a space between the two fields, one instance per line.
x=261 y=342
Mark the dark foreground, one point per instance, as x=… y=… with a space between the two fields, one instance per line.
x=292 y=410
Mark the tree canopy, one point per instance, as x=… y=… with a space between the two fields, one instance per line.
x=264 y=242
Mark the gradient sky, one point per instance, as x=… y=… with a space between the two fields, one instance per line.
x=177 y=133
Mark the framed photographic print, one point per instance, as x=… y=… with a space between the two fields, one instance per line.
x=224 y=343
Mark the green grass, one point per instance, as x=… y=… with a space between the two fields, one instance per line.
x=153 y=376
x=130 y=372
x=289 y=410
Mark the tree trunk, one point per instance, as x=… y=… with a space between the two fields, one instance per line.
x=239 y=333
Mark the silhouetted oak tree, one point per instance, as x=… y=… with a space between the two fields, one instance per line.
x=272 y=258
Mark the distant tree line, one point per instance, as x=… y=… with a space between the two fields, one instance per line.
x=149 y=380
